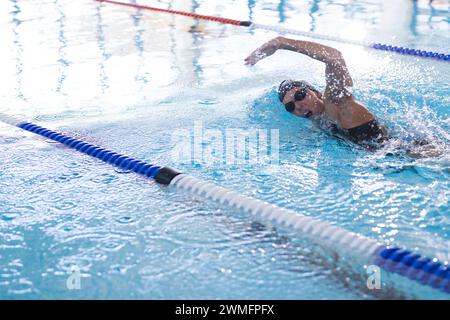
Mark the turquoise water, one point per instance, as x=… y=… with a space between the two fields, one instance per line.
x=127 y=79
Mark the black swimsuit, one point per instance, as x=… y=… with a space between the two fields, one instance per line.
x=370 y=134
x=367 y=134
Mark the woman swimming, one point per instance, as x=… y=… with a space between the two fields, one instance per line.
x=335 y=109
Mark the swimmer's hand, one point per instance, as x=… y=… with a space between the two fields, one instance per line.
x=425 y=149
x=267 y=49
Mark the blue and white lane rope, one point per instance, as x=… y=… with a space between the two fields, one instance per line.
x=282 y=30
x=377 y=46
x=429 y=272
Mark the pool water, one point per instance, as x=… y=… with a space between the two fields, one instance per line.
x=127 y=80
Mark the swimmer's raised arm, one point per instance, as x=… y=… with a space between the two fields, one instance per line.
x=338 y=79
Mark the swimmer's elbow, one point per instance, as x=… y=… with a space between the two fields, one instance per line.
x=337 y=54
x=336 y=57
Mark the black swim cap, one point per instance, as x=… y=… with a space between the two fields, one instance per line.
x=287 y=85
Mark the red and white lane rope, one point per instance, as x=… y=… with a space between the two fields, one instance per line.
x=182 y=13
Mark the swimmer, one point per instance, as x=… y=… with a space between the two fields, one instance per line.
x=335 y=109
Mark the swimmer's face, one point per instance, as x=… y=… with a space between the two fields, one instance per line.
x=307 y=105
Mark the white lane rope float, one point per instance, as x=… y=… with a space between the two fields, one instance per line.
x=411 y=265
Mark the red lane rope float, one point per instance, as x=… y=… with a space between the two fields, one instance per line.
x=182 y=13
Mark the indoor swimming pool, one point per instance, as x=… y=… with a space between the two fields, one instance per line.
x=156 y=87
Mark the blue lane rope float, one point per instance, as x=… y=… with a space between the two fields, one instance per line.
x=411 y=52
x=414 y=266
x=282 y=30
x=140 y=167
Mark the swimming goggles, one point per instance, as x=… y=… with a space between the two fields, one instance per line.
x=298 y=96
